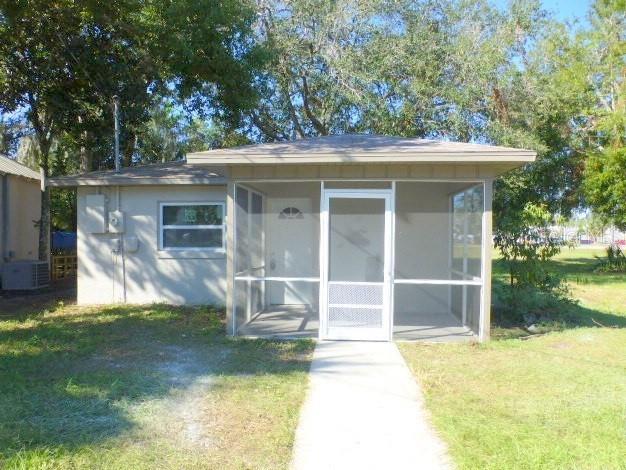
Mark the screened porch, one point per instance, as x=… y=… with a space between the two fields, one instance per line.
x=378 y=260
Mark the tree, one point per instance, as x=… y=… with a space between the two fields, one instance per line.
x=412 y=68
x=605 y=184
x=62 y=62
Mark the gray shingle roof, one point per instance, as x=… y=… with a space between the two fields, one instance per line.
x=364 y=147
x=177 y=172
x=11 y=167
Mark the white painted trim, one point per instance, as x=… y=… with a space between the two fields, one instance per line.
x=323 y=265
x=419 y=179
x=485 y=257
x=354 y=193
x=357 y=283
x=357 y=306
x=162 y=227
x=232 y=196
x=346 y=332
x=444 y=282
x=392 y=269
x=465 y=264
x=450 y=247
x=277 y=278
x=459 y=157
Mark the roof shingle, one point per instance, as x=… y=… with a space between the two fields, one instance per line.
x=11 y=167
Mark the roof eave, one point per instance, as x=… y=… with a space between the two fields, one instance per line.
x=19 y=175
x=317 y=158
x=125 y=181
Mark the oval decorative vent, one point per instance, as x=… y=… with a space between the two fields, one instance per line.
x=291 y=213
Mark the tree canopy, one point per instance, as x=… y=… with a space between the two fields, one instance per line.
x=62 y=62
x=193 y=74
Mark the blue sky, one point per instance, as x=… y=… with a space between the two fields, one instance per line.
x=563 y=9
x=568 y=9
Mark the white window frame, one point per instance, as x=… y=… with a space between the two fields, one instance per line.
x=163 y=227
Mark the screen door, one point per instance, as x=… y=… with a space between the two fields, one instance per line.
x=357 y=264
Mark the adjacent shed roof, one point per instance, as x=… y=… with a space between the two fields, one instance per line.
x=162 y=173
x=351 y=148
x=9 y=166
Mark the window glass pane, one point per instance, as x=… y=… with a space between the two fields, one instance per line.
x=193 y=215
x=192 y=238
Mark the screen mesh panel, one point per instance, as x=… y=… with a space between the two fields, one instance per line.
x=342 y=317
x=356 y=240
x=277 y=259
x=369 y=294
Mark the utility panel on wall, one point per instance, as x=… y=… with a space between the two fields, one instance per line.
x=95 y=220
x=116 y=222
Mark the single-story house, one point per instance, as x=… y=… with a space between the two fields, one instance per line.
x=20 y=208
x=338 y=237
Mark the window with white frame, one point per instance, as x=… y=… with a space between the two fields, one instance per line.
x=192 y=226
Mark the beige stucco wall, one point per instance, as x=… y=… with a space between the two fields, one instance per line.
x=24 y=208
x=148 y=275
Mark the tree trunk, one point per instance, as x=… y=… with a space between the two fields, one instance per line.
x=43 y=126
x=44 y=225
x=85 y=156
x=129 y=150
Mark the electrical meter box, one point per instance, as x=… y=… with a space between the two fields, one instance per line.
x=116 y=222
x=131 y=244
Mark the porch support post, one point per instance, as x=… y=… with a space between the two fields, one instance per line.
x=230 y=258
x=487 y=248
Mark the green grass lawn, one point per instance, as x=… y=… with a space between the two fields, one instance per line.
x=145 y=387
x=556 y=401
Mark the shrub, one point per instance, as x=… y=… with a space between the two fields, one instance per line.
x=534 y=295
x=525 y=305
x=615 y=261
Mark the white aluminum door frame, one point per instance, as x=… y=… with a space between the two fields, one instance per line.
x=352 y=333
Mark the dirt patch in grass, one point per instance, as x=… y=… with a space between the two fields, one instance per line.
x=145 y=387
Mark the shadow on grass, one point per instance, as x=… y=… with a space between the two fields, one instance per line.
x=68 y=380
x=521 y=310
x=579 y=270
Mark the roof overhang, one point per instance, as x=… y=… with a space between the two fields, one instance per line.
x=11 y=167
x=298 y=159
x=354 y=149
x=68 y=182
x=212 y=167
x=171 y=173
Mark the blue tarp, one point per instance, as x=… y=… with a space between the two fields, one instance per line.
x=64 y=241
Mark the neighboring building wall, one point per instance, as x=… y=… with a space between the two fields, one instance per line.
x=147 y=275
x=23 y=206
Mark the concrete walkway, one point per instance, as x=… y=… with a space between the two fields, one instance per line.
x=364 y=410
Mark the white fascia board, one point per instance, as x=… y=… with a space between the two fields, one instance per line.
x=430 y=157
